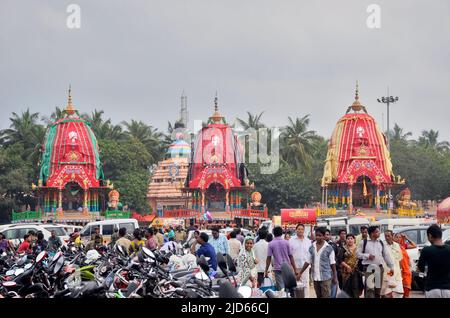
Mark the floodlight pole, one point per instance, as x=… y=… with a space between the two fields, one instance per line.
x=388 y=100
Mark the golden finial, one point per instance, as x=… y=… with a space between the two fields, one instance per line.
x=70 y=110
x=356 y=106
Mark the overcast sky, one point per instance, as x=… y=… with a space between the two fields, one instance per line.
x=288 y=58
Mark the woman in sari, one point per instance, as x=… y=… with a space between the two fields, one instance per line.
x=404 y=264
x=247 y=263
x=351 y=277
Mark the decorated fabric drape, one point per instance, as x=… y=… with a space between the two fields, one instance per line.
x=357 y=145
x=70 y=155
x=45 y=162
x=364 y=188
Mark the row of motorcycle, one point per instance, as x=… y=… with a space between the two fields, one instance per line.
x=111 y=272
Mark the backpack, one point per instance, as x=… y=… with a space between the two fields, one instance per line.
x=361 y=267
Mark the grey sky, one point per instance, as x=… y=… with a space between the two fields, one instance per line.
x=287 y=58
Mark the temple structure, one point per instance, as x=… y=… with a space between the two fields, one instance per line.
x=217 y=180
x=165 y=188
x=358 y=169
x=71 y=179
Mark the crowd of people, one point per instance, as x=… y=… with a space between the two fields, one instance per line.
x=152 y=238
x=352 y=265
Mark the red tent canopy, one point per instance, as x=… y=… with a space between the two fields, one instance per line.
x=305 y=216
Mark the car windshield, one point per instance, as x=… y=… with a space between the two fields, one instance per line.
x=60 y=231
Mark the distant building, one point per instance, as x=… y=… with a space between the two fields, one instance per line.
x=165 y=188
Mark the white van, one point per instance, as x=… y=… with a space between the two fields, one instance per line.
x=337 y=224
x=107 y=228
x=15 y=232
x=393 y=224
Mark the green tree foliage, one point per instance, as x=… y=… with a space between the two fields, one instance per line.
x=397 y=134
x=288 y=188
x=104 y=129
x=253 y=121
x=25 y=130
x=146 y=135
x=426 y=169
x=57 y=114
x=298 y=143
x=430 y=140
x=126 y=165
x=15 y=180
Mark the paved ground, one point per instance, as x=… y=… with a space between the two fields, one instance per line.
x=413 y=294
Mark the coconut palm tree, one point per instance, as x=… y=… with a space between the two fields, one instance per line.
x=150 y=137
x=104 y=129
x=298 y=142
x=57 y=114
x=397 y=134
x=96 y=121
x=21 y=127
x=429 y=139
x=253 y=121
x=26 y=130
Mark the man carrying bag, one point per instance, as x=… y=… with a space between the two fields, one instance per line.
x=371 y=254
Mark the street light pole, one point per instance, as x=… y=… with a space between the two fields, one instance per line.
x=388 y=100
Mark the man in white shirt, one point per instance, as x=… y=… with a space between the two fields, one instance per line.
x=300 y=250
x=260 y=249
x=235 y=245
x=374 y=255
x=323 y=265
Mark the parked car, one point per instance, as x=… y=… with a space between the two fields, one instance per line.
x=394 y=224
x=418 y=234
x=15 y=232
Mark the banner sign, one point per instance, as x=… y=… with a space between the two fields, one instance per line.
x=305 y=216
